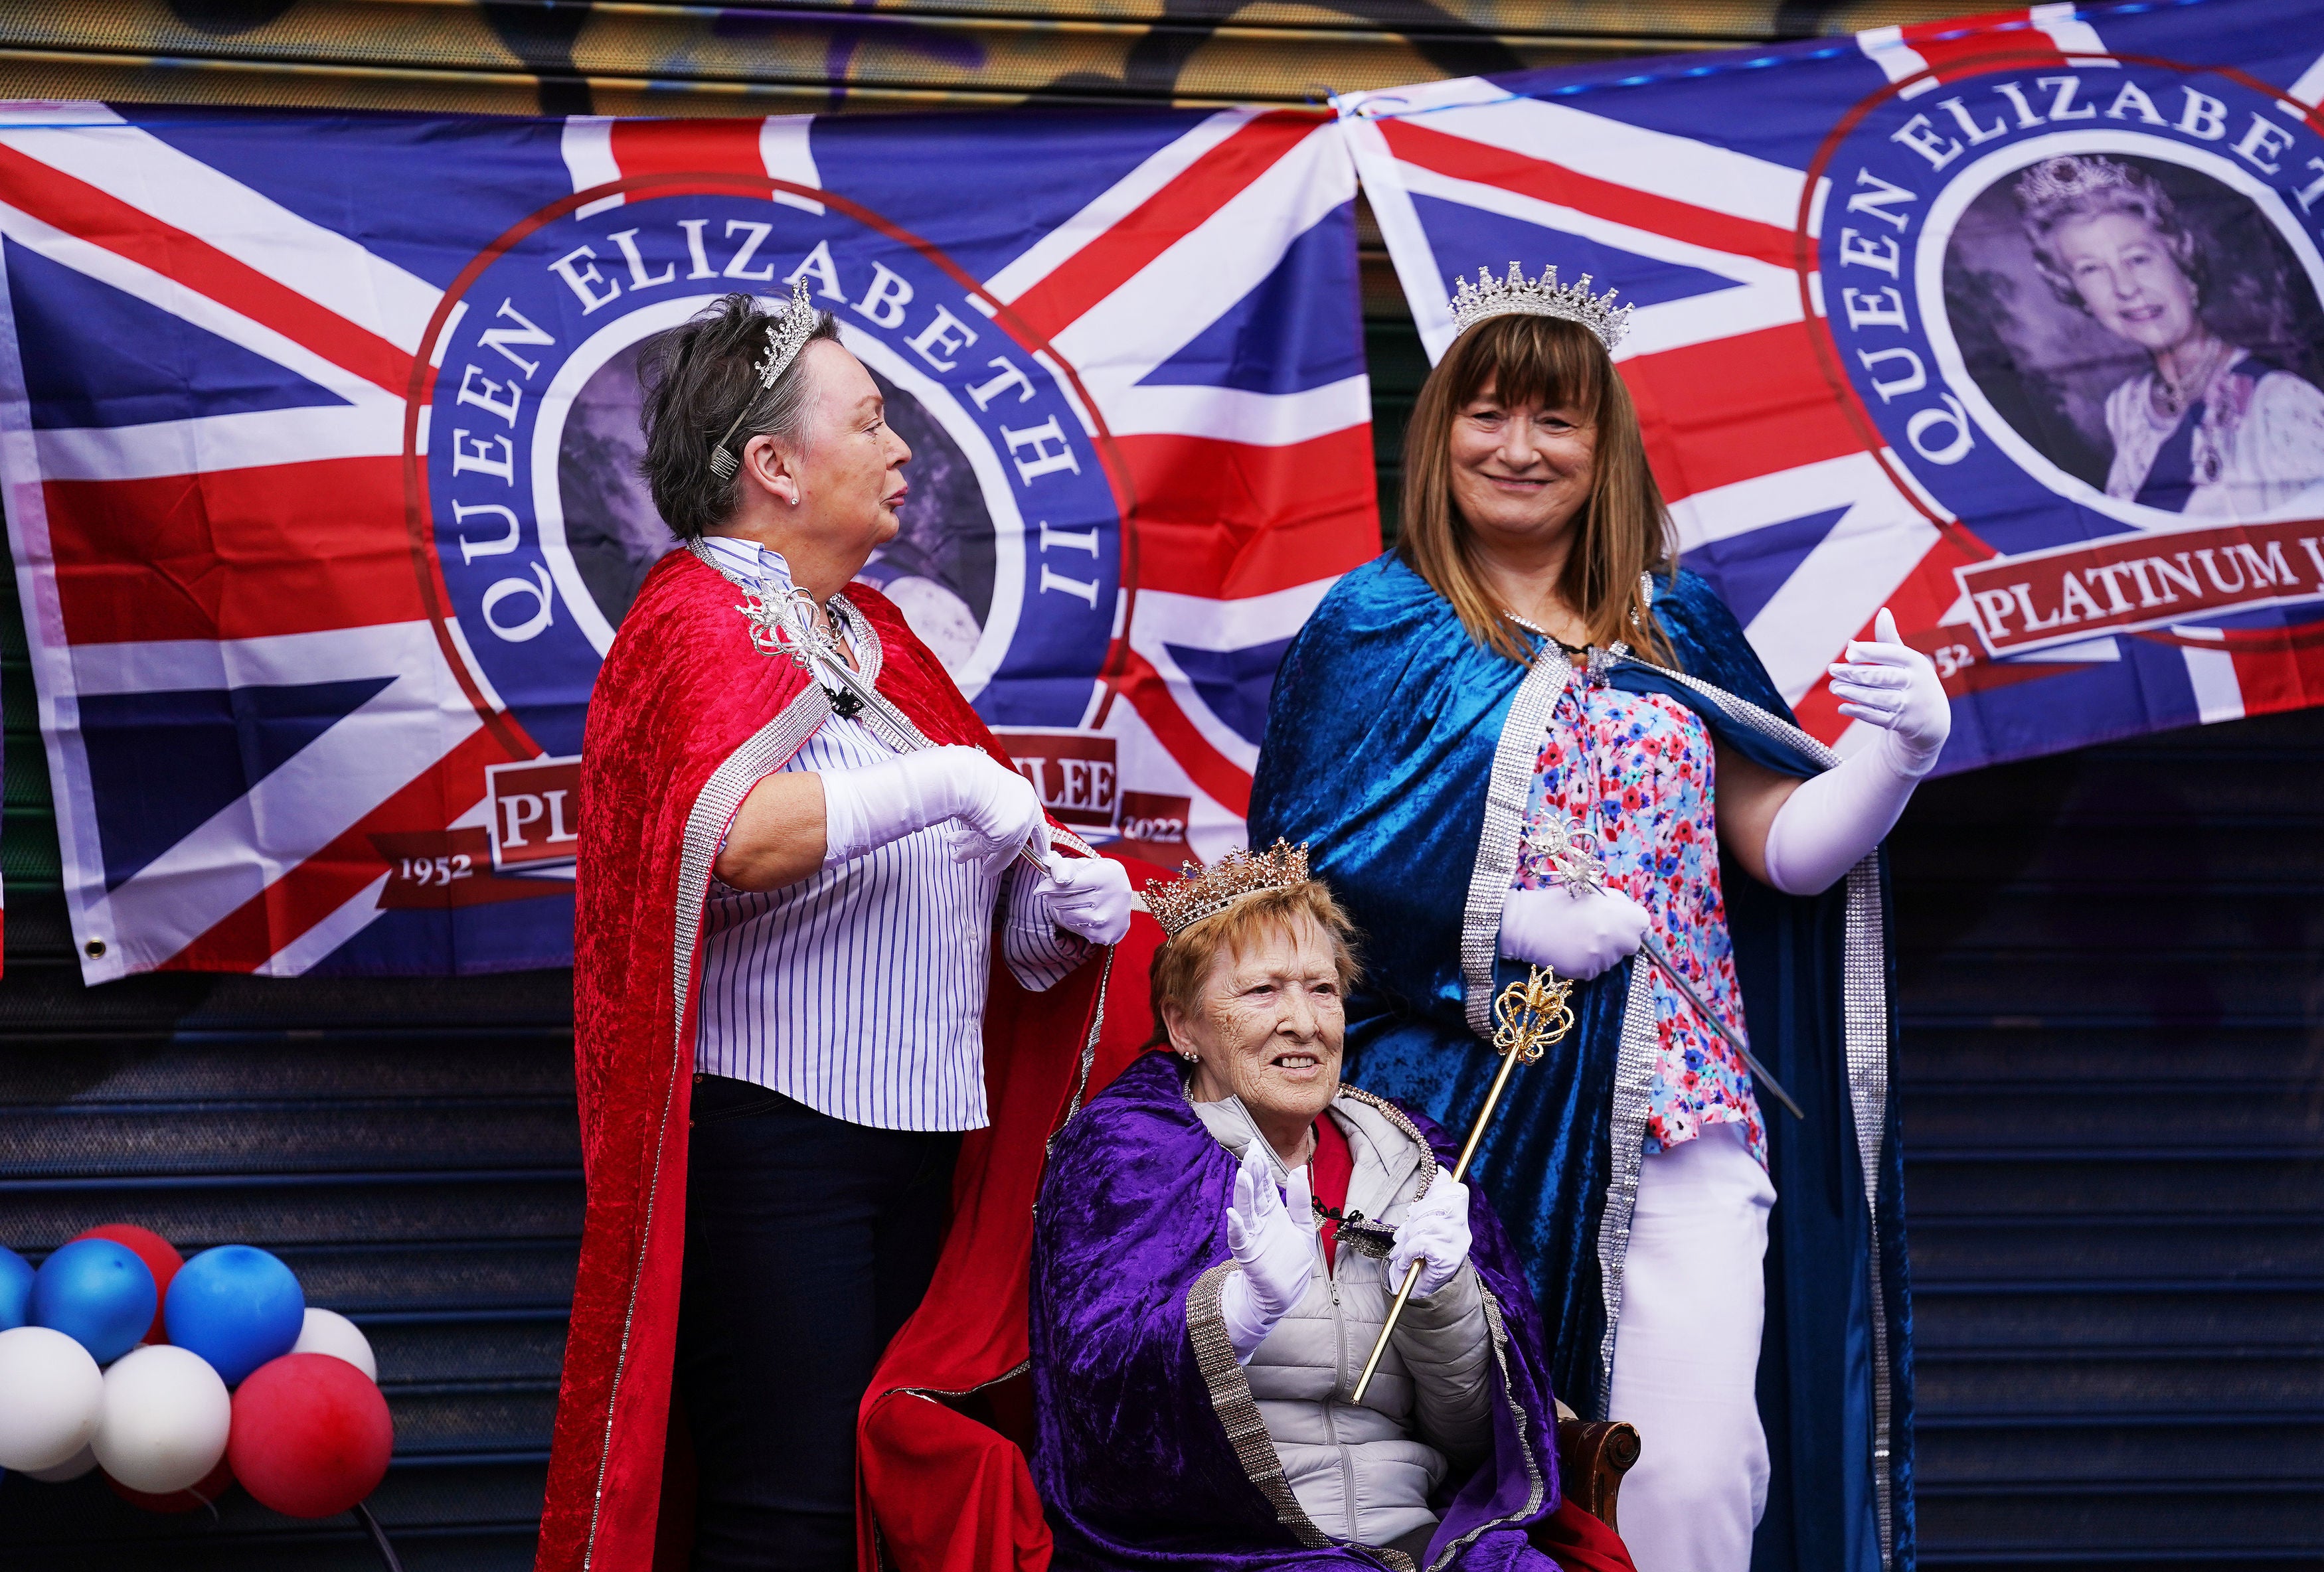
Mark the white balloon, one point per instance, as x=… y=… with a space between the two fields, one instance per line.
x=72 y=1467
x=165 y=1421
x=329 y=1332
x=326 y=1332
x=50 y=1395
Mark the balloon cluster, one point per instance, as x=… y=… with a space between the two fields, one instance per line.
x=181 y=1378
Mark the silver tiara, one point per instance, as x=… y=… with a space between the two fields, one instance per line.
x=1516 y=297
x=2067 y=177
x=788 y=329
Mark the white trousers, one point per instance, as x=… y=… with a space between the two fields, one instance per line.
x=1686 y=1355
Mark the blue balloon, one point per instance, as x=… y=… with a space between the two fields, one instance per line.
x=96 y=1293
x=16 y=1288
x=237 y=1307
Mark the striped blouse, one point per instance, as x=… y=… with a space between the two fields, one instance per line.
x=860 y=990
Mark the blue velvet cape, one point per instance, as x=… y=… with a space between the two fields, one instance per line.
x=1388 y=730
x=1150 y=1452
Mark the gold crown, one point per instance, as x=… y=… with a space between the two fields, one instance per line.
x=1517 y=295
x=1179 y=904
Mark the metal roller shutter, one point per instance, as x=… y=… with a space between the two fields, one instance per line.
x=2113 y=963
x=654 y=57
x=409 y=1147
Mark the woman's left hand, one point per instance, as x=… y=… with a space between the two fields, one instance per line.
x=1086 y=896
x=1888 y=683
x=1435 y=1233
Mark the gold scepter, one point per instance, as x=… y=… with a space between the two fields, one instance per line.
x=1533 y=1015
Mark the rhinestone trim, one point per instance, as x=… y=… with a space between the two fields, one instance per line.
x=1505 y=795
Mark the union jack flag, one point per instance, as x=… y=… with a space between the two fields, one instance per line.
x=319 y=436
x=1859 y=387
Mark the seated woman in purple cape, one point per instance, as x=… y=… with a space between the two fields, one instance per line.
x=1213 y=1256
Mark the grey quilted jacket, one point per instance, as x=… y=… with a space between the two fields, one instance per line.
x=1365 y=1472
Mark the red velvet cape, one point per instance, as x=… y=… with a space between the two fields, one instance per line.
x=945 y=1427
x=686 y=716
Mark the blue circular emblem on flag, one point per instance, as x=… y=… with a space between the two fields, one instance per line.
x=2095 y=283
x=541 y=528
x=2080 y=306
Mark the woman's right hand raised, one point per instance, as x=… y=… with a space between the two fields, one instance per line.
x=1272 y=1238
x=1577 y=936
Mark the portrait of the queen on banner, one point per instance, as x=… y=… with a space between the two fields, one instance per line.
x=2146 y=328
x=938 y=570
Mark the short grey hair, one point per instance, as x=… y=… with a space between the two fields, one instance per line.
x=697 y=381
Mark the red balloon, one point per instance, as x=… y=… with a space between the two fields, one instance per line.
x=161 y=1258
x=193 y=1498
x=311 y=1434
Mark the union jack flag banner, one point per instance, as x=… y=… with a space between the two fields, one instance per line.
x=2009 y=324
x=319 y=441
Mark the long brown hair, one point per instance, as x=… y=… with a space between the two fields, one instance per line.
x=1623 y=532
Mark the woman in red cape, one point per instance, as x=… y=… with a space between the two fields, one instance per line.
x=683 y=742
x=688 y=715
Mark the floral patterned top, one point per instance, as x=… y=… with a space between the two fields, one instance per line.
x=1635 y=770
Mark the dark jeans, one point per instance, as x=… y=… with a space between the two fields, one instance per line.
x=809 y=1241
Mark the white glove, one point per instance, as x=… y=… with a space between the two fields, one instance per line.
x=1273 y=1238
x=1087 y=895
x=1574 y=935
x=1829 y=824
x=1435 y=1233
x=1894 y=686
x=997 y=809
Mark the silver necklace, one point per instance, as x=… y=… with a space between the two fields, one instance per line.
x=1530 y=626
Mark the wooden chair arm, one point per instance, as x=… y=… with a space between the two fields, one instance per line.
x=1592 y=1456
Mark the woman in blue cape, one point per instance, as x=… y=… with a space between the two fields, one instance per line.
x=1525 y=736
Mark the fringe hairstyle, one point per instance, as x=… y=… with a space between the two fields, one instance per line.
x=1182 y=967
x=695 y=380
x=1622 y=532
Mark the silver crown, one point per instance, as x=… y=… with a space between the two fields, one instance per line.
x=788 y=329
x=1516 y=297
x=2069 y=176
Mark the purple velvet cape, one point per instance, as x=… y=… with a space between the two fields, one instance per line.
x=1150 y=1453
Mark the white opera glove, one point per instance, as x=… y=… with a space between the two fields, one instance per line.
x=1575 y=935
x=1085 y=896
x=1435 y=1233
x=1273 y=1239
x=1890 y=684
x=1833 y=819
x=873 y=805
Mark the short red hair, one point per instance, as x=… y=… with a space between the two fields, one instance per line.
x=1183 y=965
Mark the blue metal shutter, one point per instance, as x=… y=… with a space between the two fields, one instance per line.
x=409 y=1146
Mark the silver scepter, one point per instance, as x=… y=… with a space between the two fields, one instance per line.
x=792 y=625
x=1575 y=864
